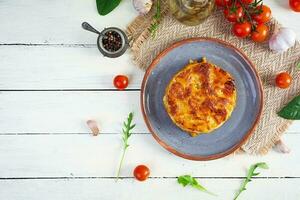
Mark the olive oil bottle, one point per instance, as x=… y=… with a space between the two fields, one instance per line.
x=191 y=12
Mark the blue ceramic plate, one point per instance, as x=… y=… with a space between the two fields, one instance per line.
x=234 y=132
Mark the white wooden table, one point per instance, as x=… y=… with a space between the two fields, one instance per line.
x=52 y=79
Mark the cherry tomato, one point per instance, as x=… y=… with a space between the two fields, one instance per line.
x=260 y=33
x=283 y=80
x=222 y=3
x=241 y=29
x=295 y=5
x=232 y=14
x=246 y=1
x=141 y=172
x=121 y=82
x=264 y=14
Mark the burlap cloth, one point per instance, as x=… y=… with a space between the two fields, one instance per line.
x=270 y=127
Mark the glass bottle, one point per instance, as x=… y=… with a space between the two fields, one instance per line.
x=191 y=12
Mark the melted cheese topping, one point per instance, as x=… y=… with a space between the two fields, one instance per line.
x=200 y=97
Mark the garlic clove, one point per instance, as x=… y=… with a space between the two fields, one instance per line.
x=282 y=40
x=142 y=6
x=281 y=147
x=282 y=44
x=92 y=124
x=290 y=36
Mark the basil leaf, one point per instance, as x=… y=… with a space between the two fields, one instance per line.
x=106 y=6
x=291 y=110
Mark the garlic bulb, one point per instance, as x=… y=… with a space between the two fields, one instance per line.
x=142 y=6
x=282 y=40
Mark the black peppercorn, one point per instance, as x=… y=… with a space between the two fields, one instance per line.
x=112 y=41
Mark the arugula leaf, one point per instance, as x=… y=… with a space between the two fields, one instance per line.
x=251 y=173
x=126 y=134
x=291 y=110
x=106 y=6
x=189 y=180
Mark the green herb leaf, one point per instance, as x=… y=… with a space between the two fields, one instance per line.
x=298 y=65
x=291 y=110
x=191 y=181
x=126 y=134
x=250 y=174
x=156 y=19
x=106 y=6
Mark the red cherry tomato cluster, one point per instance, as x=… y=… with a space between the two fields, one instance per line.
x=222 y=3
x=249 y=18
x=234 y=16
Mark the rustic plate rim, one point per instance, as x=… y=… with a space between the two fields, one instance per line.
x=168 y=147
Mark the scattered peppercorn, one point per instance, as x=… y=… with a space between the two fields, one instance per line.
x=112 y=41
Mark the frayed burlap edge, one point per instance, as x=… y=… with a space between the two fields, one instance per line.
x=138 y=30
x=274 y=140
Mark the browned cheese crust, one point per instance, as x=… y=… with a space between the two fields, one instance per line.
x=200 y=97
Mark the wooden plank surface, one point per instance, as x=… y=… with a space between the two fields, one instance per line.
x=52 y=79
x=71 y=156
x=59 y=21
x=108 y=189
x=68 y=111
x=66 y=66
x=62 y=67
